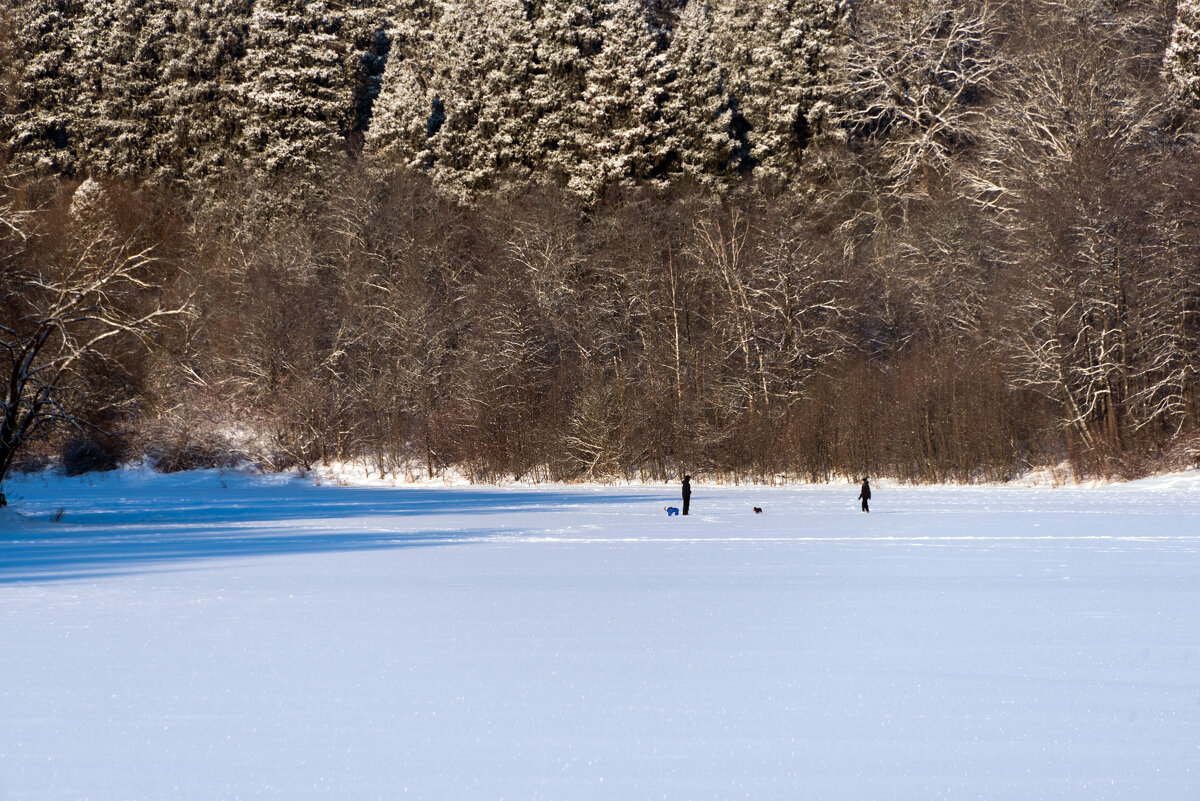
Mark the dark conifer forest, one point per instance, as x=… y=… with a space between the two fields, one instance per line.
x=934 y=240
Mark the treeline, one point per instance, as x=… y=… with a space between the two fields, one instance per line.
x=477 y=94
x=984 y=259
x=186 y=91
x=390 y=325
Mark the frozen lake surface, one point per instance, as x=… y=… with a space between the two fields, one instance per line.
x=210 y=636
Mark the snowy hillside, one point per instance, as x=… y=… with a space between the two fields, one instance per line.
x=217 y=636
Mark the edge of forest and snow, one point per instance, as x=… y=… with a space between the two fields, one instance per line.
x=348 y=475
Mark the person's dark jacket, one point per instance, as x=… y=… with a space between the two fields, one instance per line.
x=865 y=495
x=687 y=489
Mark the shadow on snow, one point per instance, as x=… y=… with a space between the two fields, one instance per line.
x=109 y=530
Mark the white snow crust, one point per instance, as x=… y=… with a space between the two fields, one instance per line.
x=216 y=635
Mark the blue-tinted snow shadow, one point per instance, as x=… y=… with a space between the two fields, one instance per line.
x=146 y=531
x=256 y=503
x=83 y=556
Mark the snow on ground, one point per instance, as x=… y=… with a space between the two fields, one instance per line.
x=217 y=636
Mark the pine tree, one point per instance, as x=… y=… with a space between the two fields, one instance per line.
x=38 y=129
x=196 y=97
x=116 y=64
x=405 y=114
x=588 y=93
x=774 y=53
x=568 y=38
x=622 y=133
x=297 y=103
x=367 y=34
x=124 y=115
x=94 y=34
x=478 y=90
x=488 y=54
x=8 y=53
x=504 y=137
x=185 y=88
x=705 y=142
x=1182 y=61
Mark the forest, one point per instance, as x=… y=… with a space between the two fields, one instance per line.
x=933 y=240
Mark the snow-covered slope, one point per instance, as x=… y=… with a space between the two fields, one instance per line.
x=217 y=636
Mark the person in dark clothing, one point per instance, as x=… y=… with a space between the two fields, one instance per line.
x=687 y=492
x=865 y=495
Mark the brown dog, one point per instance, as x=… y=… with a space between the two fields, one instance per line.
x=758 y=510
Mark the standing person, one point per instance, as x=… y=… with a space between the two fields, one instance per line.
x=687 y=492
x=865 y=495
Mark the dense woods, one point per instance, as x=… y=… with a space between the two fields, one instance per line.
x=940 y=240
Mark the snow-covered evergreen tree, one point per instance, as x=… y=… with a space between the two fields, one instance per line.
x=95 y=33
x=8 y=49
x=118 y=114
x=405 y=114
x=298 y=92
x=622 y=133
x=196 y=98
x=504 y=138
x=698 y=112
x=774 y=54
x=487 y=56
x=130 y=86
x=588 y=92
x=42 y=106
x=183 y=88
x=1182 y=60
x=370 y=46
x=568 y=38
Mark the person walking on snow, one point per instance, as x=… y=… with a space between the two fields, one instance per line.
x=865 y=495
x=687 y=492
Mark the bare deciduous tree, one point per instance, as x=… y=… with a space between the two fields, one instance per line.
x=55 y=317
x=910 y=77
x=1061 y=168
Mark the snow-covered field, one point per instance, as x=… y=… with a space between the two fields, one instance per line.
x=214 y=636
